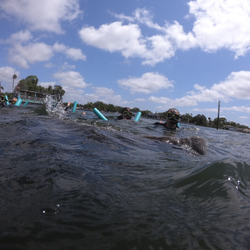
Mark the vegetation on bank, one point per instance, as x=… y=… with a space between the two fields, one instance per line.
x=30 y=83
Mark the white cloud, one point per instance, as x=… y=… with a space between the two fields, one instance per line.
x=31 y=53
x=115 y=37
x=168 y=102
x=71 y=79
x=67 y=66
x=47 y=84
x=179 y=39
x=43 y=15
x=6 y=74
x=222 y=24
x=72 y=53
x=105 y=95
x=49 y=65
x=19 y=37
x=237 y=109
x=73 y=94
x=243 y=117
x=218 y=24
x=140 y=99
x=148 y=83
x=236 y=86
x=75 y=54
x=206 y=110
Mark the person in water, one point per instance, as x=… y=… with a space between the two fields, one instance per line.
x=125 y=114
x=173 y=118
x=196 y=143
x=2 y=99
x=67 y=107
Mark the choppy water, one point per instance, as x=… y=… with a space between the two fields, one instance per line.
x=71 y=181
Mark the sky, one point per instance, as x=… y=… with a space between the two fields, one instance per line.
x=153 y=55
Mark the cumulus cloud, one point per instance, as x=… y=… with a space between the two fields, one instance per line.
x=43 y=15
x=72 y=53
x=237 y=109
x=235 y=86
x=222 y=24
x=31 y=53
x=67 y=66
x=218 y=24
x=148 y=83
x=71 y=79
x=47 y=84
x=23 y=52
x=168 y=102
x=105 y=95
x=6 y=74
x=19 y=37
x=140 y=99
x=115 y=37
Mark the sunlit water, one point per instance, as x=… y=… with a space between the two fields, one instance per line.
x=72 y=181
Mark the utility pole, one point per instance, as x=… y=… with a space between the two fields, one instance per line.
x=218 y=114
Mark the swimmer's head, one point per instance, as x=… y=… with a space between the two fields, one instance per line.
x=125 y=113
x=173 y=115
x=173 y=118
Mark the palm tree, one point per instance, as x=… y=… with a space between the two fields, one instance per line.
x=14 y=77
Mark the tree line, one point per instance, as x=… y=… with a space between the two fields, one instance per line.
x=30 y=83
x=201 y=120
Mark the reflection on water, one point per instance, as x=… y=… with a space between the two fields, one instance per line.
x=76 y=182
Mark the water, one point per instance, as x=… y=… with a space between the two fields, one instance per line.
x=72 y=181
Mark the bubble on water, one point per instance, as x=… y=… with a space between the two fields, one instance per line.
x=237 y=187
x=43 y=211
x=58 y=205
x=229 y=178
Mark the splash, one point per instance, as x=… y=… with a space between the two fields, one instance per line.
x=54 y=106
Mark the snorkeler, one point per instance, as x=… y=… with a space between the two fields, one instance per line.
x=173 y=118
x=196 y=143
x=125 y=114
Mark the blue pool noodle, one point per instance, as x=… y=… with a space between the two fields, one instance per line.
x=26 y=103
x=99 y=114
x=18 y=102
x=74 y=107
x=7 y=100
x=138 y=116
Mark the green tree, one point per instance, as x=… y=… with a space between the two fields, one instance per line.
x=111 y=108
x=186 y=117
x=22 y=85
x=135 y=110
x=58 y=90
x=145 y=112
x=200 y=120
x=222 y=122
x=50 y=89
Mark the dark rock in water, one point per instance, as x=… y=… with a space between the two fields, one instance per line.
x=197 y=143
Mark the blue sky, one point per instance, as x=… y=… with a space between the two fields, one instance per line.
x=152 y=55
